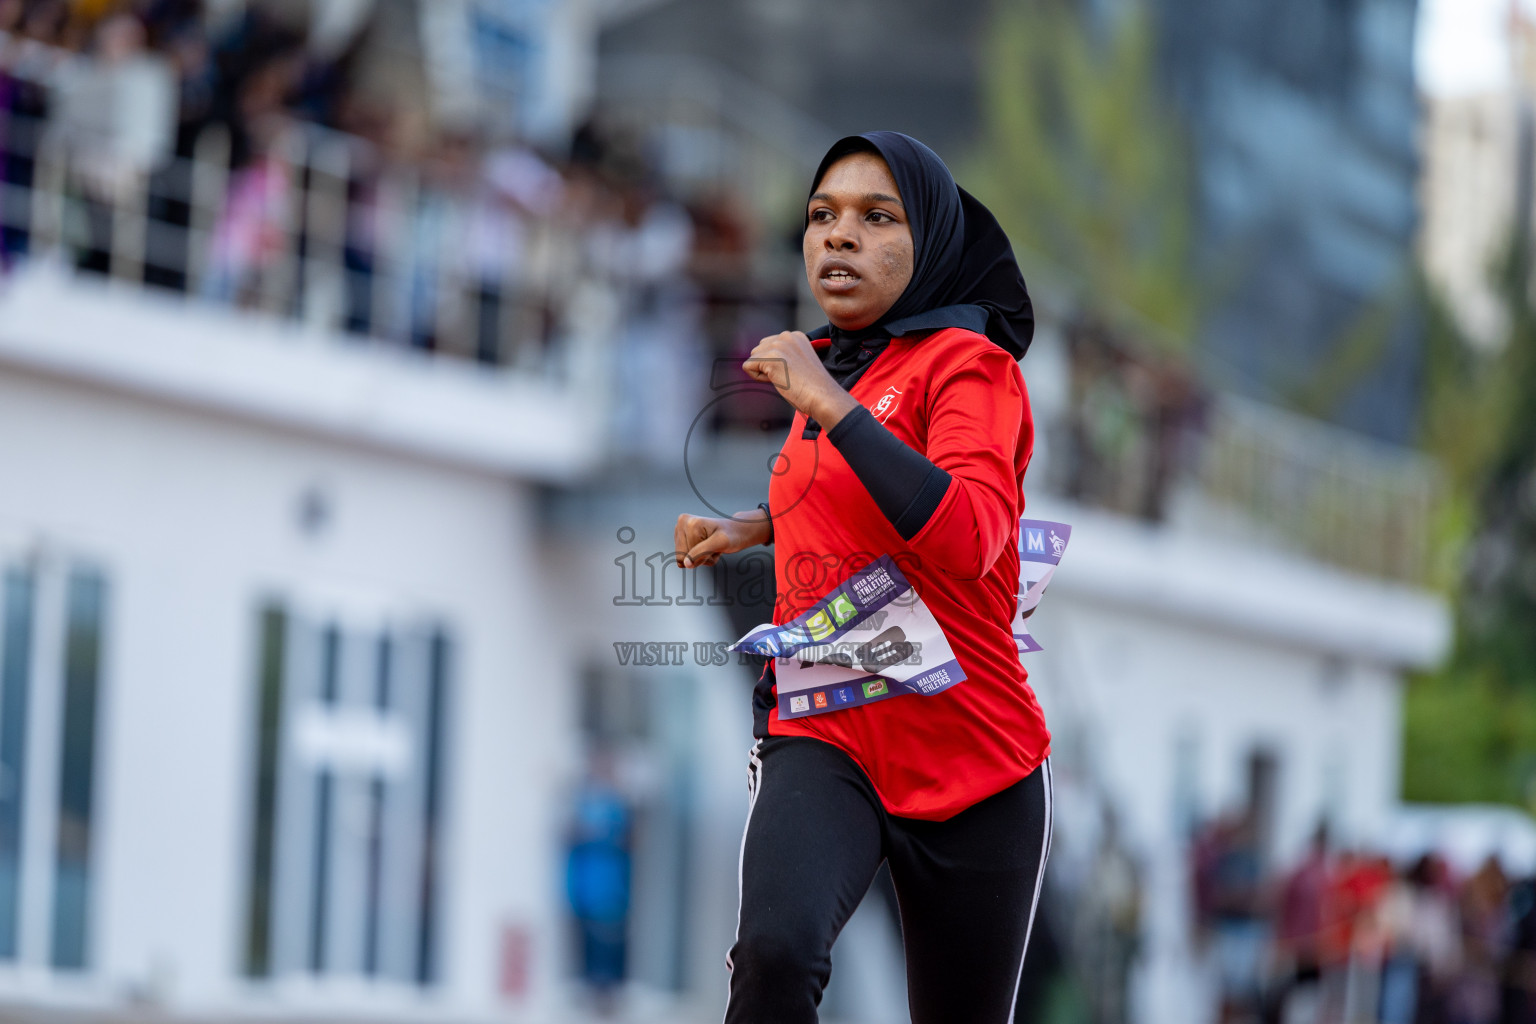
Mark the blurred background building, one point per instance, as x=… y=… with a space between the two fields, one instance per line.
x=357 y=356
x=1304 y=125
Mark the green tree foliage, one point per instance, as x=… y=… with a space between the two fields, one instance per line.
x=1462 y=413
x=1471 y=727
x=1084 y=164
x=1468 y=737
x=1498 y=606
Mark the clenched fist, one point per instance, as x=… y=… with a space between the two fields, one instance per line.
x=701 y=540
x=789 y=362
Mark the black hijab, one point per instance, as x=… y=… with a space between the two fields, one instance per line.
x=963 y=270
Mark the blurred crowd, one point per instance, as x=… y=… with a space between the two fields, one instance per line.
x=254 y=157
x=1133 y=425
x=1346 y=936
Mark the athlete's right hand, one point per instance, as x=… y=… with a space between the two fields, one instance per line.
x=701 y=540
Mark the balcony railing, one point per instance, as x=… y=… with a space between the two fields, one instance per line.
x=1140 y=436
x=1342 y=498
x=322 y=228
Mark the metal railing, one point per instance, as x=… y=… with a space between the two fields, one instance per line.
x=320 y=228
x=1342 y=498
x=1142 y=437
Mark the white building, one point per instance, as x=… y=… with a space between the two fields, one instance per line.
x=281 y=601
x=1467 y=194
x=303 y=638
x=1186 y=678
x=1476 y=189
x=298 y=661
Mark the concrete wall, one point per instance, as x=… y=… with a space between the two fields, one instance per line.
x=194 y=520
x=1168 y=661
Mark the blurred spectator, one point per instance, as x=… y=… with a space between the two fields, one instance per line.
x=1110 y=919
x=1366 y=887
x=642 y=245
x=262 y=161
x=1399 y=953
x=1435 y=932
x=46 y=21
x=24 y=65
x=1349 y=940
x=117 y=111
x=1131 y=422
x=251 y=237
x=518 y=192
x=1485 y=942
x=1519 y=995
x=437 y=225
x=598 y=880
x=1299 y=932
x=1230 y=899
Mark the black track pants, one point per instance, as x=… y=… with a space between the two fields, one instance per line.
x=817 y=832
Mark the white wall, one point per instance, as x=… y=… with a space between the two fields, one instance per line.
x=711 y=702
x=194 y=520
x=1151 y=638
x=1157 y=641
x=715 y=707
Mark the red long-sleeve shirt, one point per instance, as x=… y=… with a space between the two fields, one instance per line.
x=958 y=399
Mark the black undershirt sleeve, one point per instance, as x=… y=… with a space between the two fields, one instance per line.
x=906 y=487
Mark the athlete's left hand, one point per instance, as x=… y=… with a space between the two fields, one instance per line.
x=789 y=362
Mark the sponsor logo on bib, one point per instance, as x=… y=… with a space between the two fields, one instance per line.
x=842 y=609
x=820 y=625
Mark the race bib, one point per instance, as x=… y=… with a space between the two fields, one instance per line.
x=870 y=638
x=1041 y=544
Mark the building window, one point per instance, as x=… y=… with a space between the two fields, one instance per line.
x=347 y=803
x=52 y=618
x=15 y=671
x=77 y=767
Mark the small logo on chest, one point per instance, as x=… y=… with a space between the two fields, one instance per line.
x=886 y=404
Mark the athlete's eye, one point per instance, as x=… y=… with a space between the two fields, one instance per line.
x=880 y=215
x=822 y=214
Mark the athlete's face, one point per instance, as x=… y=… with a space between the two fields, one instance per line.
x=858 y=244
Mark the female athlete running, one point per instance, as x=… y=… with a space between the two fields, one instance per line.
x=911 y=436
